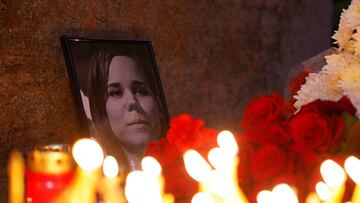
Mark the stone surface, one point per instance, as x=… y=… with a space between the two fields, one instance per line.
x=213 y=57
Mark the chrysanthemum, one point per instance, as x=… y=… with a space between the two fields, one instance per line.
x=351 y=16
x=317 y=86
x=342 y=36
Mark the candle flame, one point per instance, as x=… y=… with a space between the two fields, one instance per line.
x=142 y=187
x=110 y=167
x=196 y=165
x=202 y=197
x=332 y=173
x=264 y=196
x=226 y=141
x=283 y=193
x=219 y=158
x=151 y=165
x=352 y=167
x=323 y=191
x=87 y=154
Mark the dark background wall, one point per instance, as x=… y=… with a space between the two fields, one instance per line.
x=213 y=57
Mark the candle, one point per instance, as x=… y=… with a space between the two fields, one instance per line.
x=221 y=182
x=312 y=198
x=334 y=176
x=109 y=187
x=281 y=193
x=49 y=171
x=323 y=191
x=202 y=197
x=265 y=196
x=148 y=182
x=352 y=167
x=16 y=172
x=89 y=156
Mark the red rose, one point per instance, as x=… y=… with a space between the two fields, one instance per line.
x=262 y=111
x=245 y=155
x=205 y=140
x=183 y=131
x=330 y=107
x=180 y=184
x=312 y=131
x=270 y=162
x=164 y=152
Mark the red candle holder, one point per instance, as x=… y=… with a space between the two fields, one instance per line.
x=49 y=171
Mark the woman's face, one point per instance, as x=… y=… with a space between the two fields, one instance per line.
x=131 y=106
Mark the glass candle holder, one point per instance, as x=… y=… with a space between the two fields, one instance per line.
x=49 y=171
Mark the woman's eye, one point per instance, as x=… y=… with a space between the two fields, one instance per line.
x=142 y=91
x=115 y=92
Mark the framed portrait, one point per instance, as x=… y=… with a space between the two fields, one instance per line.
x=118 y=93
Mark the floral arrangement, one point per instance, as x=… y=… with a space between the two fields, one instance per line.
x=341 y=76
x=280 y=140
x=275 y=146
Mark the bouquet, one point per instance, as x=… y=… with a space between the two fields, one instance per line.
x=282 y=140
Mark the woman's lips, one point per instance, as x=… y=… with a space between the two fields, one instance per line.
x=138 y=122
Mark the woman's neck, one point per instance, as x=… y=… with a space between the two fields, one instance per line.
x=134 y=159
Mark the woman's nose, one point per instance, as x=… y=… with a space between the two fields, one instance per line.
x=132 y=104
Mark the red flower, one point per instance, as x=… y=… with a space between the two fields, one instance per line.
x=262 y=111
x=270 y=162
x=311 y=131
x=183 y=132
x=279 y=134
x=179 y=183
x=330 y=107
x=164 y=152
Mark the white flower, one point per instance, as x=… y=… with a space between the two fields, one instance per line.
x=342 y=36
x=341 y=75
x=317 y=86
x=351 y=16
x=356 y=40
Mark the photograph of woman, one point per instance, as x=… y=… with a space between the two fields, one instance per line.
x=121 y=97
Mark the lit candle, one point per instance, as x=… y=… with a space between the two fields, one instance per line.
x=89 y=156
x=49 y=170
x=148 y=182
x=334 y=176
x=281 y=193
x=109 y=187
x=222 y=182
x=16 y=173
x=202 y=197
x=323 y=191
x=352 y=167
x=312 y=198
x=265 y=196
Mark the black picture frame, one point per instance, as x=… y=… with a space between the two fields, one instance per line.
x=79 y=52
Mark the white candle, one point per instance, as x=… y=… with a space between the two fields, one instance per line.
x=109 y=188
x=146 y=185
x=334 y=176
x=352 y=167
x=323 y=191
x=265 y=196
x=312 y=198
x=202 y=197
x=89 y=156
x=283 y=193
x=222 y=182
